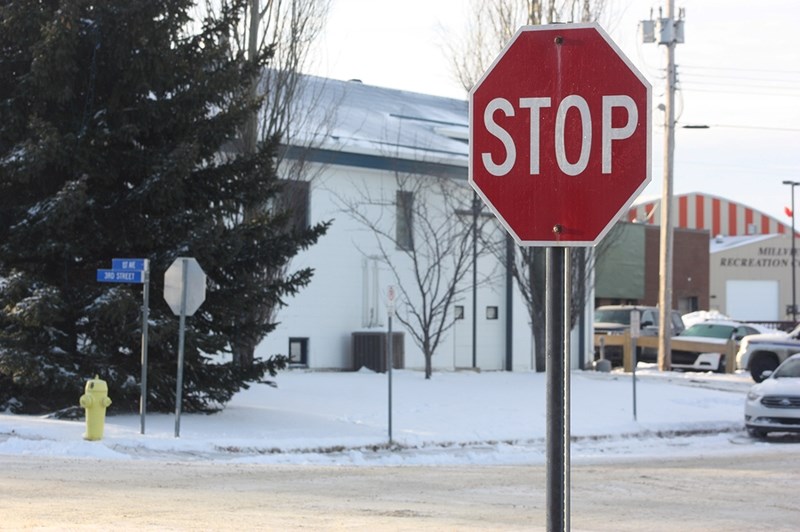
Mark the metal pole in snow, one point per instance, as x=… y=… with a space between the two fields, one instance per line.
x=181 y=333
x=390 y=357
x=476 y=207
x=635 y=322
x=390 y=297
x=566 y=274
x=145 y=319
x=635 y=362
x=558 y=386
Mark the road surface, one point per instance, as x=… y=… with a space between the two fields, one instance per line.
x=757 y=491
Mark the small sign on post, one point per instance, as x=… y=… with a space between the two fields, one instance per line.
x=391 y=295
x=120 y=276
x=130 y=264
x=636 y=325
x=184 y=292
x=184 y=279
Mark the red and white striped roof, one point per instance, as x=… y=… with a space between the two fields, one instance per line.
x=717 y=215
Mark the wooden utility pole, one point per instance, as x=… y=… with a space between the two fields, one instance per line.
x=665 y=262
x=669 y=32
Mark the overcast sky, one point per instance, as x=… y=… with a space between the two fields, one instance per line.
x=738 y=71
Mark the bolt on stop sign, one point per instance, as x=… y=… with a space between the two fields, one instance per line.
x=560 y=135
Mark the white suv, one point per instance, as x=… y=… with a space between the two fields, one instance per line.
x=764 y=352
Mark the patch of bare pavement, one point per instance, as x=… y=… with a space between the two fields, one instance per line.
x=746 y=491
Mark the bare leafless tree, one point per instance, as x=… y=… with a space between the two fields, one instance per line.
x=284 y=30
x=423 y=235
x=493 y=24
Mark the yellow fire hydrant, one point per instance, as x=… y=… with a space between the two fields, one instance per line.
x=95 y=401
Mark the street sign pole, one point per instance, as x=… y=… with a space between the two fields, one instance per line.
x=184 y=292
x=566 y=392
x=181 y=333
x=134 y=271
x=145 y=319
x=557 y=318
x=558 y=153
x=389 y=353
x=636 y=324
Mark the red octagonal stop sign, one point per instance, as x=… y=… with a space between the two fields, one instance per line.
x=560 y=135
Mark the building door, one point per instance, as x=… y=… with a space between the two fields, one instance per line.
x=752 y=300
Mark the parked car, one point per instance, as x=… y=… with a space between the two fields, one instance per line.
x=773 y=405
x=716 y=332
x=616 y=319
x=764 y=352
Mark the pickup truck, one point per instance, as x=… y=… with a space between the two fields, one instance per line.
x=616 y=319
x=763 y=352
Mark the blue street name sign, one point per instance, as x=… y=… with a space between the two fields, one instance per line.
x=128 y=264
x=120 y=276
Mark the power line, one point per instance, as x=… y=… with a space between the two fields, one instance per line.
x=740 y=69
x=745 y=78
x=761 y=85
x=737 y=85
x=741 y=126
x=749 y=93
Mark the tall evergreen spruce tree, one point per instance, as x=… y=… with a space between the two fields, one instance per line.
x=115 y=116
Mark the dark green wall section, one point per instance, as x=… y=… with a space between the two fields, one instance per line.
x=620 y=263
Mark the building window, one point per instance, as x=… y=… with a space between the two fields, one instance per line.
x=491 y=313
x=404 y=235
x=298 y=351
x=688 y=304
x=459 y=312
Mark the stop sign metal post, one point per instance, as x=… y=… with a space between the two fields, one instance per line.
x=184 y=292
x=559 y=149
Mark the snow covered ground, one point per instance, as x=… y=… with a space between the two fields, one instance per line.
x=456 y=417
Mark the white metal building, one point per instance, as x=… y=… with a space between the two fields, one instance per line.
x=363 y=139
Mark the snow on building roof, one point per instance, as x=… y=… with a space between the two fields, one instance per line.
x=349 y=117
x=725 y=243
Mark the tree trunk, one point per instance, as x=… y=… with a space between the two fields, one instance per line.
x=244 y=351
x=428 y=365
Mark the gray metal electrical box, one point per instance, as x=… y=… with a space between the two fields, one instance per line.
x=647 y=31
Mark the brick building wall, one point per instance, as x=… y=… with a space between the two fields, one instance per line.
x=690 y=268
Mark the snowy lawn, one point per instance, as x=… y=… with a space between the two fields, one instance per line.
x=456 y=417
